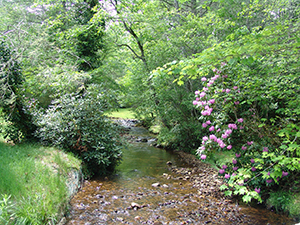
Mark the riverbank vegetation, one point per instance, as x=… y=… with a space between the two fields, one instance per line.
x=33 y=183
x=216 y=77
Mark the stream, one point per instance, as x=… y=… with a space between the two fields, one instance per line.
x=154 y=186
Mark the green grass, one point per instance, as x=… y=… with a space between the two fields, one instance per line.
x=123 y=113
x=33 y=183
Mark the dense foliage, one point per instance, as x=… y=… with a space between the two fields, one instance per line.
x=11 y=80
x=154 y=56
x=249 y=104
x=76 y=123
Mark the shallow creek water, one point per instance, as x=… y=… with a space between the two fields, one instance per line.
x=146 y=191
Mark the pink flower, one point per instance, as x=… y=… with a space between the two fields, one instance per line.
x=212 y=128
x=204 y=125
x=227 y=175
x=244 y=147
x=227 y=90
x=240 y=120
x=222 y=145
x=205 y=138
x=232 y=126
x=195 y=102
x=234 y=161
x=223 y=64
x=233 y=174
x=237 y=102
x=197 y=92
x=202 y=94
x=253 y=169
x=215 y=70
x=224 y=136
x=221 y=171
x=202 y=148
x=213 y=137
x=269 y=181
x=265 y=149
x=229 y=147
x=284 y=173
x=268 y=173
x=241 y=127
x=257 y=190
x=252 y=160
x=203 y=157
x=235 y=168
x=211 y=101
x=225 y=76
x=204 y=113
x=219 y=130
x=203 y=79
x=208 y=122
x=228 y=132
x=205 y=89
x=235 y=87
x=224 y=167
x=237 y=155
x=249 y=142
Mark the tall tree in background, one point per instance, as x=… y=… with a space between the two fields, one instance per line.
x=71 y=29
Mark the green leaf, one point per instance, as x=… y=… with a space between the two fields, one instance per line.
x=228 y=193
x=247 y=198
x=223 y=187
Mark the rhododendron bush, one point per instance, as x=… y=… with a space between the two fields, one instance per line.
x=264 y=144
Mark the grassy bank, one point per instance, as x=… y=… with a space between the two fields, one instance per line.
x=122 y=113
x=33 y=186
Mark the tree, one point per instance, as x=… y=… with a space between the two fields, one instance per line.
x=73 y=31
x=11 y=101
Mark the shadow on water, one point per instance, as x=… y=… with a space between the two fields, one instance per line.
x=145 y=191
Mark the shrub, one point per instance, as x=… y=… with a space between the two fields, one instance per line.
x=263 y=139
x=180 y=128
x=77 y=123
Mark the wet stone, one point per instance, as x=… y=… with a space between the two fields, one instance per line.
x=155 y=185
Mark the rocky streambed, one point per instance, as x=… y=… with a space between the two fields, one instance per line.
x=154 y=186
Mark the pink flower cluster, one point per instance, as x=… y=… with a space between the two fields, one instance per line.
x=206 y=104
x=219 y=132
